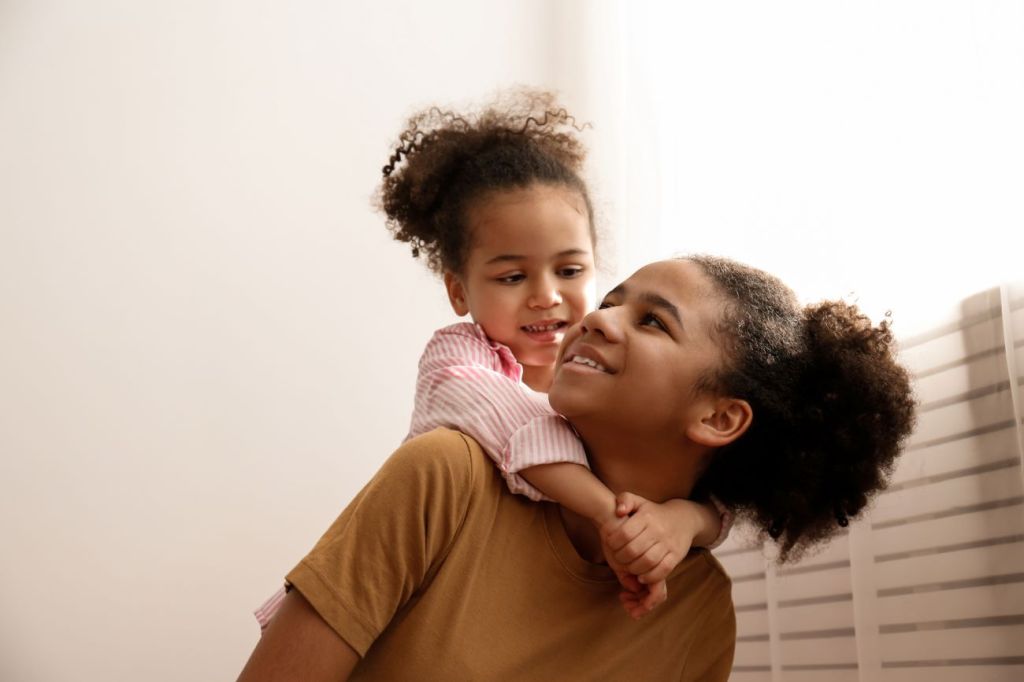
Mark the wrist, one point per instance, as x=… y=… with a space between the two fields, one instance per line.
x=700 y=522
x=687 y=516
x=600 y=519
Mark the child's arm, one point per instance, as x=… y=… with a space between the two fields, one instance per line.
x=574 y=487
x=467 y=383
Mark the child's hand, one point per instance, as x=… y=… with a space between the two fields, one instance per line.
x=638 y=599
x=652 y=540
x=639 y=604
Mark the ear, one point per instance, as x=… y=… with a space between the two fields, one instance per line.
x=456 y=293
x=725 y=420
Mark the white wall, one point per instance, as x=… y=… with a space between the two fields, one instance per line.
x=208 y=339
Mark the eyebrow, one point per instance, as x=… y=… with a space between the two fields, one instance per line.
x=504 y=258
x=652 y=299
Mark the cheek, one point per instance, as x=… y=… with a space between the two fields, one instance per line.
x=491 y=302
x=584 y=296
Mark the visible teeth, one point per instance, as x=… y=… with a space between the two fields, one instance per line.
x=543 y=327
x=580 y=360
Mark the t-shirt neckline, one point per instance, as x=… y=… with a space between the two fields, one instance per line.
x=565 y=552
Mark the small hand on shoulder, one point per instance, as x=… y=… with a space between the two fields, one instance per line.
x=644 y=543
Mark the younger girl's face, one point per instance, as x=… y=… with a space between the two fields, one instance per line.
x=529 y=274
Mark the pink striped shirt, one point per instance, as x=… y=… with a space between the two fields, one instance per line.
x=471 y=383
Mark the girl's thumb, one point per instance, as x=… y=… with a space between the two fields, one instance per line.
x=626 y=503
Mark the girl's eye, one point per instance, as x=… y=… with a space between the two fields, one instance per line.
x=652 y=320
x=604 y=304
x=511 y=279
x=570 y=271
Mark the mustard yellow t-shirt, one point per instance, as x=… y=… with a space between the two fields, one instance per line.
x=436 y=572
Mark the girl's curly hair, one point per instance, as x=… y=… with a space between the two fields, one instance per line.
x=832 y=408
x=443 y=161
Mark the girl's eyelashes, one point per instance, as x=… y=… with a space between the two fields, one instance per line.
x=570 y=271
x=567 y=272
x=647 y=318
x=652 y=320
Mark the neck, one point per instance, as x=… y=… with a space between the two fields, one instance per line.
x=655 y=471
x=628 y=463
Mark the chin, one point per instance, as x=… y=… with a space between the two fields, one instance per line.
x=565 y=400
x=555 y=397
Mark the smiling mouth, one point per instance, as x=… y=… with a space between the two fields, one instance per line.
x=540 y=328
x=587 y=362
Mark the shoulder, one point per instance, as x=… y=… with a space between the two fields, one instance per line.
x=467 y=344
x=468 y=329
x=461 y=333
x=718 y=581
x=718 y=608
x=715 y=569
x=463 y=340
x=704 y=580
x=442 y=457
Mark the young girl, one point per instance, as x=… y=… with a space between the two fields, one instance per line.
x=497 y=206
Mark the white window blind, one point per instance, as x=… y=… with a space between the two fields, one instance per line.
x=929 y=585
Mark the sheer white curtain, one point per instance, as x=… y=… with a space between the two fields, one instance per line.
x=870 y=147
x=871 y=151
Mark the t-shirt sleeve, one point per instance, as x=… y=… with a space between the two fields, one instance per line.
x=711 y=654
x=466 y=383
x=390 y=541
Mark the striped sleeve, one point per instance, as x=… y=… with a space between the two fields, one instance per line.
x=270 y=607
x=467 y=382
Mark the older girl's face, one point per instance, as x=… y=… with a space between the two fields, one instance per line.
x=635 y=362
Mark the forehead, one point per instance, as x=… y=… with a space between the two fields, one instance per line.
x=680 y=281
x=530 y=221
x=683 y=284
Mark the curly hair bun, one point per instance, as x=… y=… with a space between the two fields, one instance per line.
x=857 y=409
x=832 y=408
x=444 y=160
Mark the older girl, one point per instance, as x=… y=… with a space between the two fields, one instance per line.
x=695 y=373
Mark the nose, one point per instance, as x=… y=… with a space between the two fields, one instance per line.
x=544 y=294
x=605 y=322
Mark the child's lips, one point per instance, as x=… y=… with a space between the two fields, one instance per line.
x=545 y=331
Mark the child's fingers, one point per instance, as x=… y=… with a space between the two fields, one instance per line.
x=659 y=571
x=633 y=605
x=614 y=536
x=639 y=605
x=629 y=582
x=650 y=559
x=635 y=548
x=627 y=503
x=656 y=594
x=618 y=534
